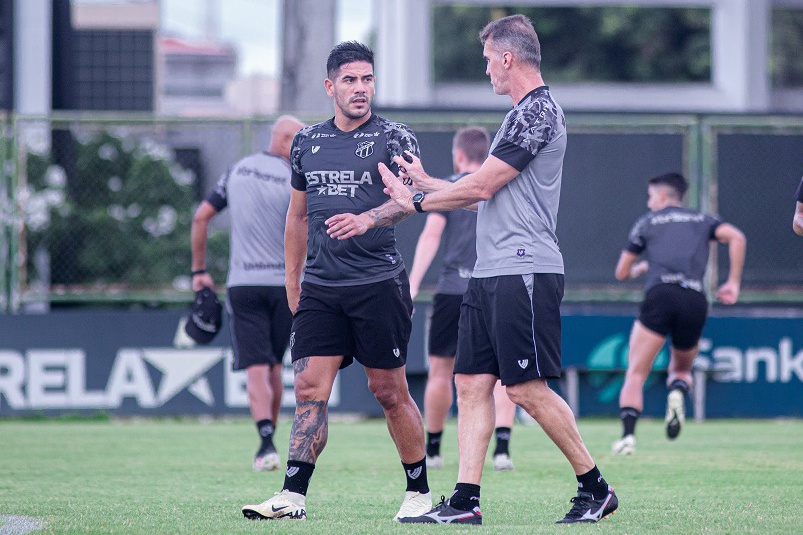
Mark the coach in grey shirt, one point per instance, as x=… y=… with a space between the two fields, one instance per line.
x=510 y=317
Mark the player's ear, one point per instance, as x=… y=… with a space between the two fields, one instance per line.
x=329 y=85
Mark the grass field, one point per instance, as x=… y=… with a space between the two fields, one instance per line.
x=189 y=476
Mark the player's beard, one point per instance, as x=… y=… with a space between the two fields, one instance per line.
x=344 y=107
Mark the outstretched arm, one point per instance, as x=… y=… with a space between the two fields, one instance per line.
x=199 y=233
x=797 y=223
x=728 y=293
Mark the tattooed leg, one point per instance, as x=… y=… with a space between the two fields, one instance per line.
x=314 y=377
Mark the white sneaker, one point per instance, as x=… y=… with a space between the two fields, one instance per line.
x=503 y=463
x=624 y=446
x=414 y=504
x=284 y=505
x=675 y=413
x=267 y=462
x=435 y=462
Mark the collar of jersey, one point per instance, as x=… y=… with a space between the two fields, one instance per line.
x=364 y=126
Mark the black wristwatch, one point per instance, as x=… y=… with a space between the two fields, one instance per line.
x=417 y=198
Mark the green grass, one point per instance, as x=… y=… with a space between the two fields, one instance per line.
x=187 y=476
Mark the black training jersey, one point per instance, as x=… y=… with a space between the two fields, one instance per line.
x=460 y=248
x=674 y=241
x=339 y=171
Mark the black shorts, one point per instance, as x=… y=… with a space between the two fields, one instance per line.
x=510 y=327
x=443 y=323
x=671 y=310
x=260 y=324
x=367 y=322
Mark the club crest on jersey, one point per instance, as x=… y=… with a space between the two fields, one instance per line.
x=365 y=149
x=315 y=148
x=396 y=352
x=520 y=252
x=523 y=363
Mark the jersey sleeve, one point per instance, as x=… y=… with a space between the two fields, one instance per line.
x=399 y=139
x=218 y=197
x=525 y=133
x=636 y=241
x=297 y=179
x=714 y=221
x=799 y=192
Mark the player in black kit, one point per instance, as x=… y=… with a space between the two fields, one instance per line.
x=354 y=302
x=674 y=243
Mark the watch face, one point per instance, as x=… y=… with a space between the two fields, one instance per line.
x=418 y=197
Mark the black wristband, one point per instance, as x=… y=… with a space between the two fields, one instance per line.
x=198 y=272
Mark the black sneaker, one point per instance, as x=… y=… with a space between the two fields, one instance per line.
x=444 y=513
x=587 y=509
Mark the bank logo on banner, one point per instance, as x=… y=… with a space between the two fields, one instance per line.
x=611 y=354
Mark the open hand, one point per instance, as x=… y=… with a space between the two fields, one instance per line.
x=344 y=226
x=395 y=188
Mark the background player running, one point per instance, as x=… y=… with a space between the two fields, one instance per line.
x=674 y=244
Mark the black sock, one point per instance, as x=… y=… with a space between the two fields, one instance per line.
x=593 y=482
x=434 y=444
x=629 y=417
x=679 y=384
x=416 y=474
x=297 y=476
x=502 y=441
x=265 y=429
x=465 y=497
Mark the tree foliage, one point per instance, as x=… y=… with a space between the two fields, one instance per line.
x=591 y=44
x=122 y=221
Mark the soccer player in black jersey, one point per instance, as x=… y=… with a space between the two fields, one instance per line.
x=797 y=222
x=674 y=244
x=354 y=302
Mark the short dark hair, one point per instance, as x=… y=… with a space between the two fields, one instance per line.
x=347 y=52
x=473 y=141
x=516 y=34
x=676 y=181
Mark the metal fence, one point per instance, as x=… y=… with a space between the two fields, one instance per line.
x=97 y=209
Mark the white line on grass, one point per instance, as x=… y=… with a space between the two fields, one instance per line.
x=19 y=525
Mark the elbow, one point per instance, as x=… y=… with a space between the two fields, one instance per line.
x=620 y=275
x=484 y=194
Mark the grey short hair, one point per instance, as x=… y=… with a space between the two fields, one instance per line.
x=515 y=34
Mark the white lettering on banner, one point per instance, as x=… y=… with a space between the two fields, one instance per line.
x=732 y=365
x=47 y=378
x=12 y=379
x=56 y=379
x=129 y=378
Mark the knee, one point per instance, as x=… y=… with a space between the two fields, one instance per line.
x=516 y=395
x=387 y=394
x=305 y=389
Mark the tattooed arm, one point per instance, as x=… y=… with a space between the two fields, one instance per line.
x=344 y=226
